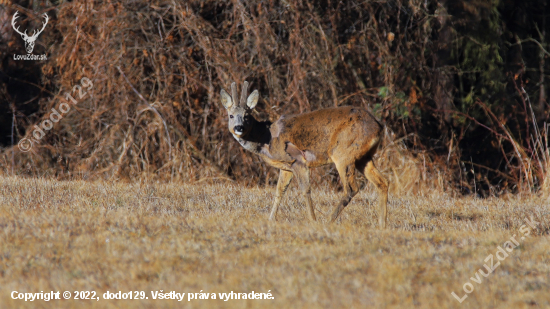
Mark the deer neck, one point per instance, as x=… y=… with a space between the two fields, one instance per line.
x=258 y=137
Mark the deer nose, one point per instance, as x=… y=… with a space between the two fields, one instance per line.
x=239 y=129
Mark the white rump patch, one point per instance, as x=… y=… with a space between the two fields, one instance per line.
x=373 y=142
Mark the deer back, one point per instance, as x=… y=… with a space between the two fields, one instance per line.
x=319 y=137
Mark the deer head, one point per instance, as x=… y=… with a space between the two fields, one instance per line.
x=240 y=118
x=29 y=40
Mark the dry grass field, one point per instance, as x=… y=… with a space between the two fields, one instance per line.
x=103 y=236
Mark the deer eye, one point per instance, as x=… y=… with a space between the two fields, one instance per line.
x=230 y=116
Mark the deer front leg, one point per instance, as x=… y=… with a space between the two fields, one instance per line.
x=282 y=184
x=302 y=173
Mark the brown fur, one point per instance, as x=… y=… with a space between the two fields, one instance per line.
x=346 y=136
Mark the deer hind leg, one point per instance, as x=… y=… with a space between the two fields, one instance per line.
x=381 y=184
x=282 y=184
x=347 y=175
x=302 y=174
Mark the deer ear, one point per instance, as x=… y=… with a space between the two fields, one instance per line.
x=226 y=99
x=252 y=99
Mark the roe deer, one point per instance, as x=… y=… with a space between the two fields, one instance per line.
x=346 y=136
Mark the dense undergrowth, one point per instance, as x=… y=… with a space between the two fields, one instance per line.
x=460 y=85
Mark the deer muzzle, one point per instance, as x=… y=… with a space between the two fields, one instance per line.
x=238 y=130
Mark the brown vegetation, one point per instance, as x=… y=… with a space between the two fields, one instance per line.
x=172 y=202
x=157 y=68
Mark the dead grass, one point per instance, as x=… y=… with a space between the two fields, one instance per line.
x=148 y=237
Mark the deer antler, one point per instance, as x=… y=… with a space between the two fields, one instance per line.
x=15 y=16
x=234 y=93
x=243 y=94
x=34 y=35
